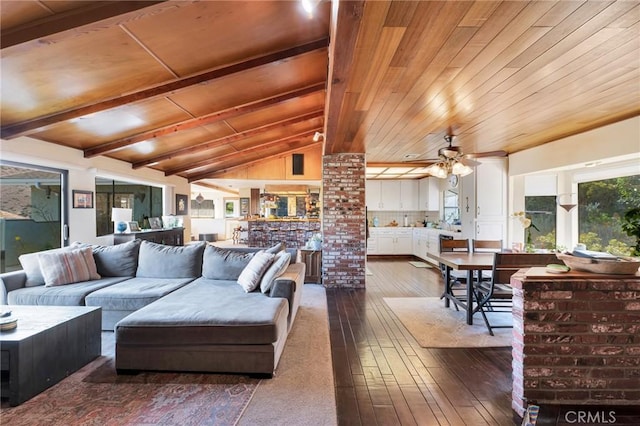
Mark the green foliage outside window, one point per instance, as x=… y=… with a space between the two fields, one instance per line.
x=602 y=207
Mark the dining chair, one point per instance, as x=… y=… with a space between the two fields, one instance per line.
x=456 y=278
x=486 y=246
x=496 y=295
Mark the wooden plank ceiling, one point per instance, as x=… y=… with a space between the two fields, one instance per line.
x=197 y=88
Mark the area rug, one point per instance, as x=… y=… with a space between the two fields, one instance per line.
x=96 y=395
x=302 y=391
x=434 y=326
x=420 y=264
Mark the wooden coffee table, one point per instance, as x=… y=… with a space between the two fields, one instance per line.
x=49 y=343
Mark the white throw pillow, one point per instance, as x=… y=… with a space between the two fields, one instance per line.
x=277 y=268
x=250 y=276
x=67 y=267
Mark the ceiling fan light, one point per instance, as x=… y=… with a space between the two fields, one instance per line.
x=438 y=170
x=461 y=169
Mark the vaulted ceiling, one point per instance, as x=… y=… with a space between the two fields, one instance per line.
x=195 y=89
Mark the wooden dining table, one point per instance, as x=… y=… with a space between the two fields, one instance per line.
x=462 y=261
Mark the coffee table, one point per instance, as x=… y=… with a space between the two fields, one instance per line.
x=49 y=344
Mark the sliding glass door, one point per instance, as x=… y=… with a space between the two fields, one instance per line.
x=32 y=211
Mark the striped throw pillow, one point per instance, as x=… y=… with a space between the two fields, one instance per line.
x=68 y=267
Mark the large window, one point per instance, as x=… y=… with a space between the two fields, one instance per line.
x=602 y=205
x=144 y=200
x=32 y=215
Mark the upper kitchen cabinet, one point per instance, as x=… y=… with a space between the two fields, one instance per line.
x=429 y=194
x=392 y=195
x=483 y=200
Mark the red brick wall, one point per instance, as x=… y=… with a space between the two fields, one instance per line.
x=343 y=221
x=576 y=341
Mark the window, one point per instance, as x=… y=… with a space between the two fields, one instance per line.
x=542 y=210
x=601 y=208
x=144 y=200
x=32 y=215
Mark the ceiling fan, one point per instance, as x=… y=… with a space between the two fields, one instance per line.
x=451 y=160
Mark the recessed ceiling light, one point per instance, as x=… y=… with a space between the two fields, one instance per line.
x=411 y=156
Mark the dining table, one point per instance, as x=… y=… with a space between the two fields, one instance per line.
x=463 y=261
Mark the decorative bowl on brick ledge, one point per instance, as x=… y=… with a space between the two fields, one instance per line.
x=620 y=266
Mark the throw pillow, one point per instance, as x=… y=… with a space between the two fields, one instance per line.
x=224 y=264
x=120 y=260
x=250 y=276
x=277 y=268
x=163 y=261
x=67 y=267
x=31 y=266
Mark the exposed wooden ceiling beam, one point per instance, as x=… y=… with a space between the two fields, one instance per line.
x=26 y=127
x=201 y=121
x=216 y=173
x=218 y=188
x=227 y=139
x=344 y=34
x=76 y=20
x=407 y=164
x=222 y=158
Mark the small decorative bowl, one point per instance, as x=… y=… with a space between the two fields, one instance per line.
x=619 y=266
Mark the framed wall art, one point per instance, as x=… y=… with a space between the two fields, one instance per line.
x=182 y=204
x=82 y=199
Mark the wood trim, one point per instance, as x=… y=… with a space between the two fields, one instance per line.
x=72 y=20
x=28 y=126
x=210 y=162
x=344 y=35
x=227 y=139
x=201 y=121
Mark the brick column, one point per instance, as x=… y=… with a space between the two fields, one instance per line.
x=576 y=339
x=343 y=221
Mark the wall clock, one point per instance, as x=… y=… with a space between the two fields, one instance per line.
x=453 y=180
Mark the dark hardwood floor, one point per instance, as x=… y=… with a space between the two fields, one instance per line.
x=384 y=377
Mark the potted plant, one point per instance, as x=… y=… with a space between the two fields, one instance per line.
x=631 y=226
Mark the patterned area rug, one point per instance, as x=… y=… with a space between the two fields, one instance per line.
x=96 y=395
x=435 y=326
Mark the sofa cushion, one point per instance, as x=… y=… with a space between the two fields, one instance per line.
x=223 y=264
x=277 y=268
x=64 y=295
x=163 y=261
x=120 y=260
x=206 y=312
x=276 y=248
x=31 y=266
x=67 y=267
x=134 y=293
x=251 y=275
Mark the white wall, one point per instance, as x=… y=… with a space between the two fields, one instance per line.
x=603 y=153
x=82 y=174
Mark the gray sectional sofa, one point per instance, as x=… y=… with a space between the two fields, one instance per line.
x=177 y=308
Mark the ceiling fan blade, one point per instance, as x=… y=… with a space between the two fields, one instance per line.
x=469 y=162
x=487 y=154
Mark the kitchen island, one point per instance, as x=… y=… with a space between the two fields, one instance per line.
x=575 y=339
x=294 y=233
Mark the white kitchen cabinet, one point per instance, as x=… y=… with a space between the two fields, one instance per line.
x=420 y=242
x=429 y=194
x=491 y=189
x=391 y=241
x=483 y=200
x=392 y=195
x=409 y=195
